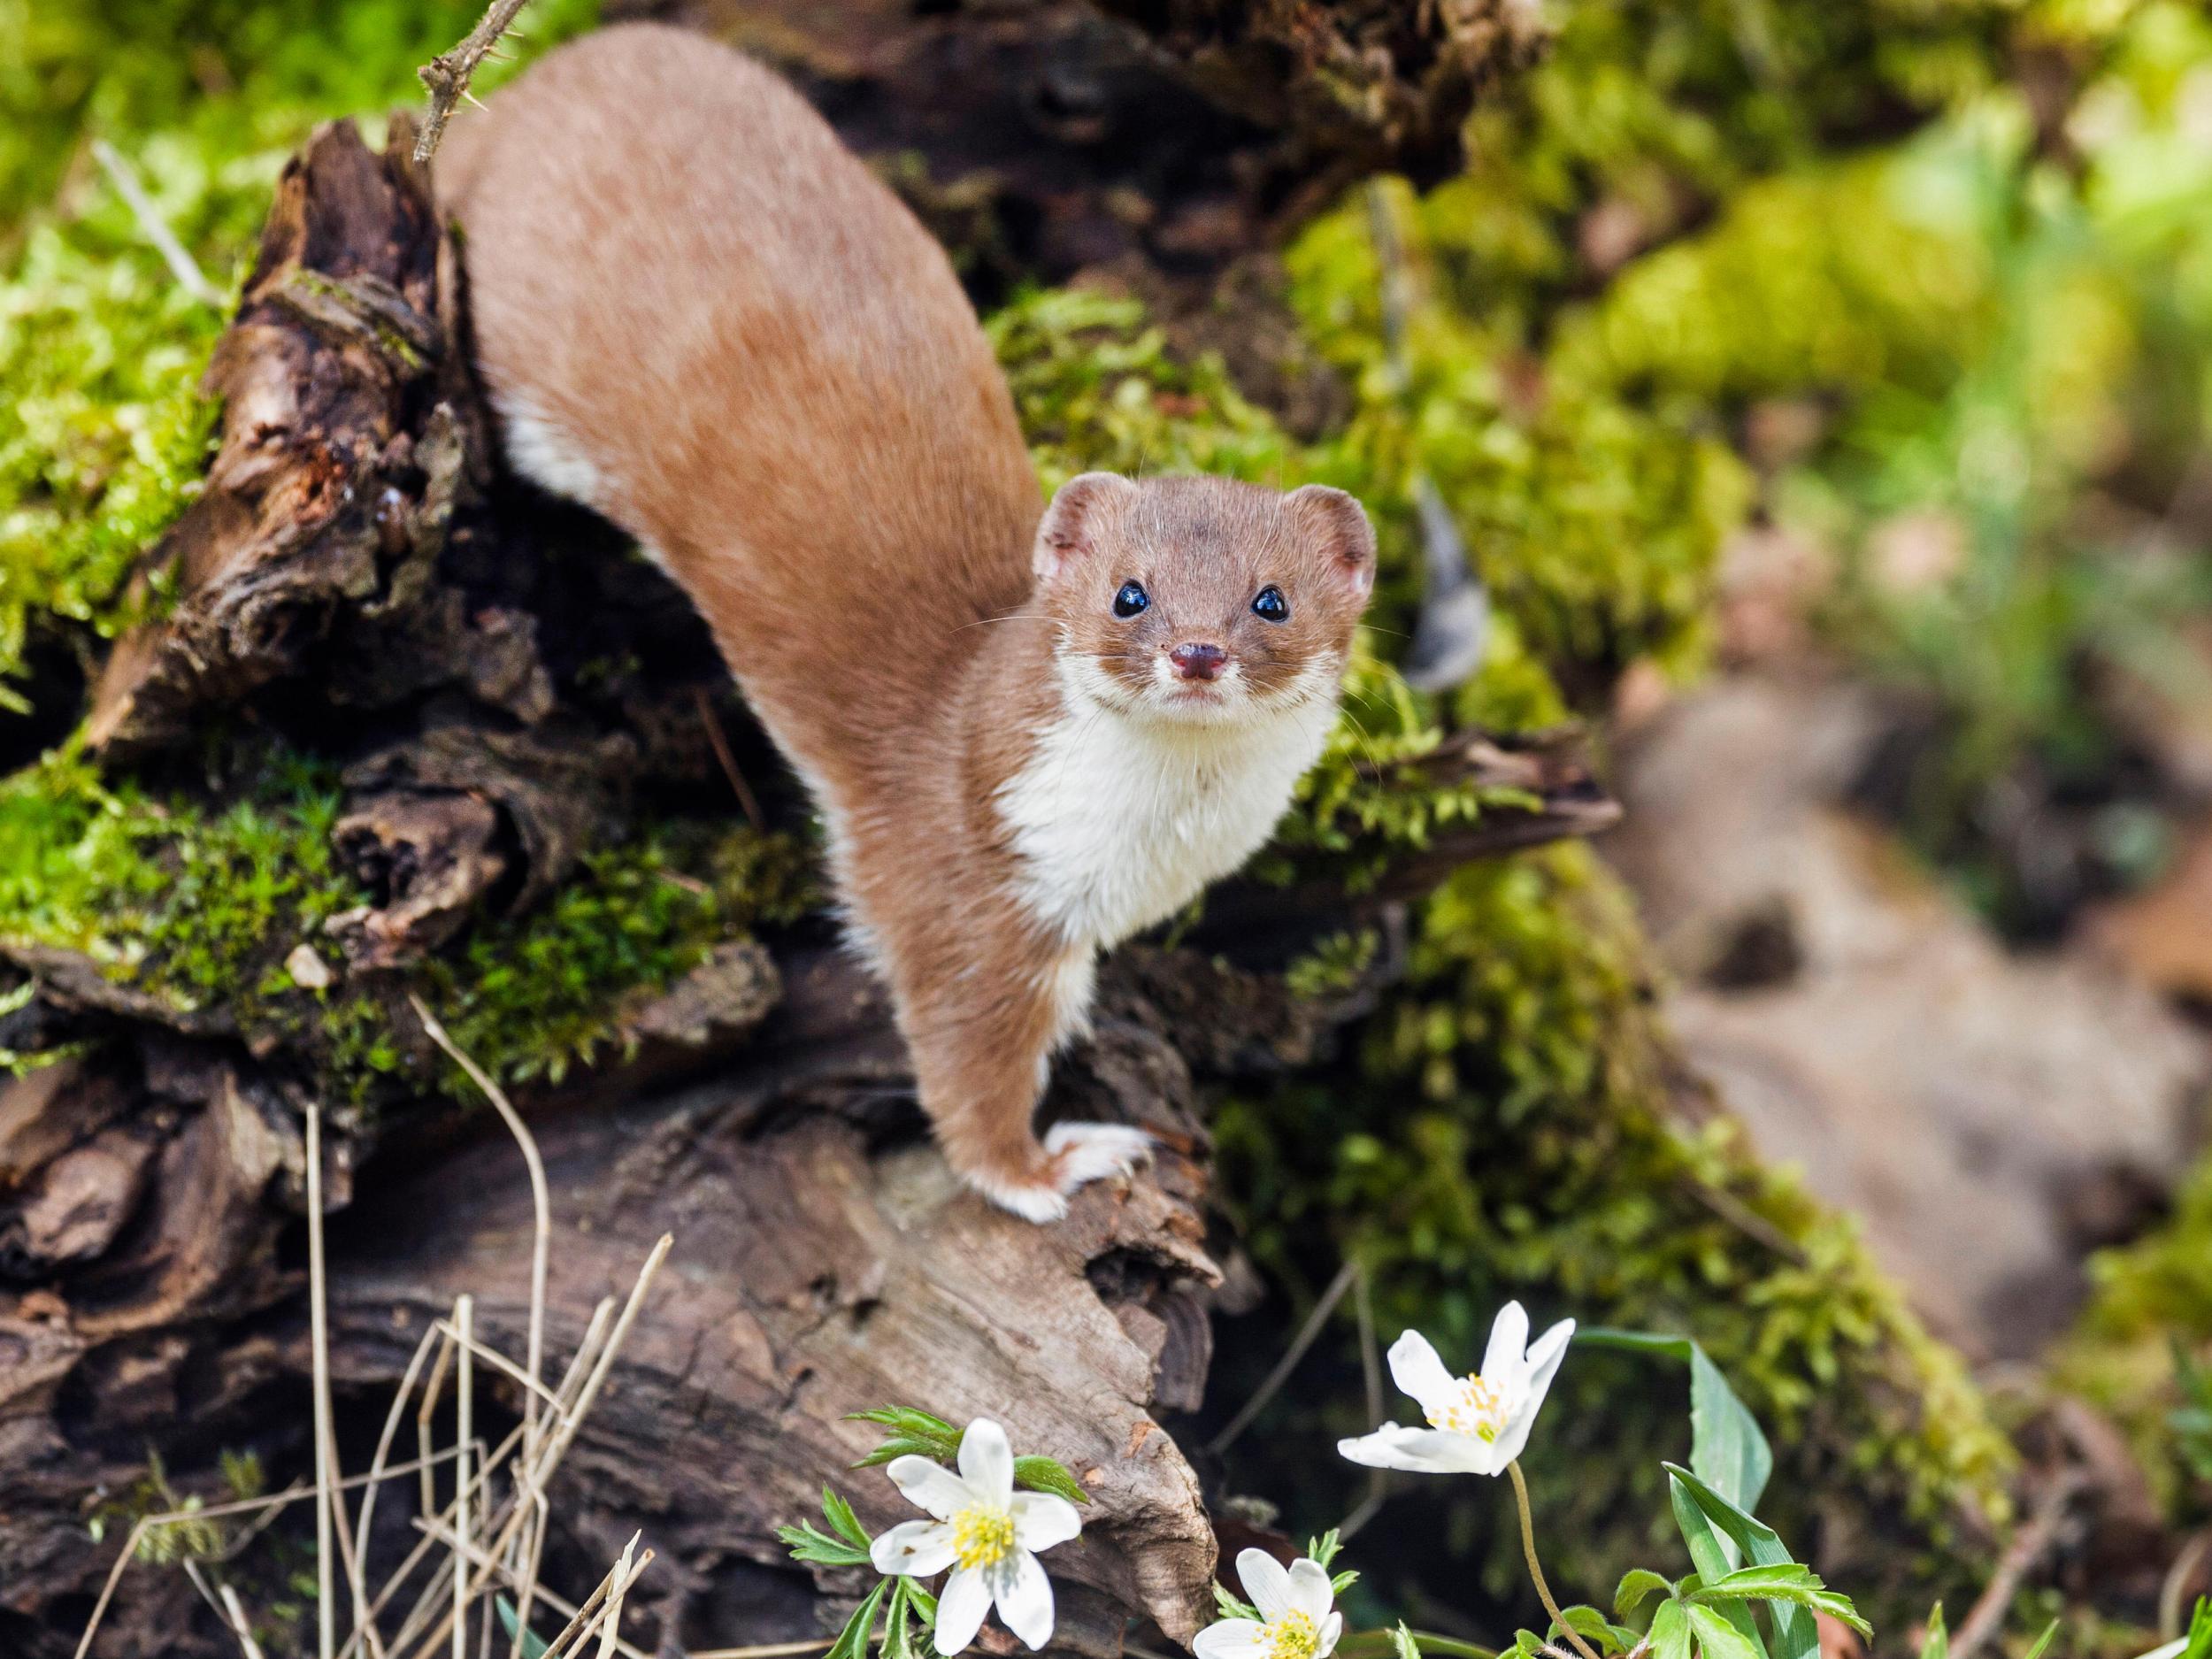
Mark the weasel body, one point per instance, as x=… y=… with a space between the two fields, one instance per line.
x=1031 y=731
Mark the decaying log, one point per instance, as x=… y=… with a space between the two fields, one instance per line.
x=1043 y=138
x=357 y=574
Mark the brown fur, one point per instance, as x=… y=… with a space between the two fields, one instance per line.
x=679 y=275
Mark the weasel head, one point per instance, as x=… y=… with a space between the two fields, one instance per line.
x=1201 y=601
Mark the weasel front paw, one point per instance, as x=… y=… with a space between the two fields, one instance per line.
x=1082 y=1153
x=1075 y=1154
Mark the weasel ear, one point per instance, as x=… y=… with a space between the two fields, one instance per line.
x=1074 y=523
x=1339 y=524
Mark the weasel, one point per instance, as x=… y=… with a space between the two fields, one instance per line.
x=1030 y=731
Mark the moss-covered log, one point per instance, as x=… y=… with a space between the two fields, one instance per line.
x=356 y=581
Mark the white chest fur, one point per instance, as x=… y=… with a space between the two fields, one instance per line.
x=1120 y=819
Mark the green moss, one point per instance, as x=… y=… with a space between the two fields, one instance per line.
x=103 y=434
x=1097 y=389
x=1511 y=1131
x=202 y=906
x=193 y=905
x=532 y=995
x=2151 y=1310
x=1594 y=523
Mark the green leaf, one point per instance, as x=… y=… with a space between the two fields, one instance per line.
x=1044 y=1474
x=902 y=1446
x=1727 y=1447
x=924 y=1603
x=1719 y=1637
x=907 y=1420
x=2197 y=1644
x=898 y=1640
x=1401 y=1642
x=2042 y=1641
x=1795 y=1635
x=533 y=1644
x=1937 y=1643
x=1592 y=1625
x=1710 y=1550
x=1788 y=1582
x=810 y=1543
x=852 y=1641
x=1528 y=1644
x=1342 y=1582
x=843 y=1521
x=1231 y=1608
x=913 y=1433
x=1670 y=1631
x=1322 y=1551
x=1636 y=1589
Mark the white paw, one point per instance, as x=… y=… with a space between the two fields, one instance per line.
x=1082 y=1153
x=1033 y=1200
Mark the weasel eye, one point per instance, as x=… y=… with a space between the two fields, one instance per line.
x=1271 y=606
x=1132 y=599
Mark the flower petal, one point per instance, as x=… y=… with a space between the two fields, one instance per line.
x=1504 y=1362
x=930 y=1485
x=1230 y=1638
x=1267 y=1583
x=1551 y=1348
x=1310 y=1590
x=1416 y=1368
x=987 y=1462
x=961 y=1606
x=1041 y=1520
x=916 y=1548
x=1331 y=1629
x=1024 y=1599
x=1426 y=1451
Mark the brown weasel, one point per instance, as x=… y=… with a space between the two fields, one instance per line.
x=1030 y=731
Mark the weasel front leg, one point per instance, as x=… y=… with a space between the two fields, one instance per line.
x=982 y=1037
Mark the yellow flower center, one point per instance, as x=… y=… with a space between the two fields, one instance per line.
x=1477 y=1408
x=1293 y=1636
x=983 y=1536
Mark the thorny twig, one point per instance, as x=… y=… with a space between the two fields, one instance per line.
x=447 y=74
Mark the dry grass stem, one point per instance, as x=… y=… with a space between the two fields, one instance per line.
x=1307 y=1334
x=541 y=1261
x=238 y=1623
x=465 y=1389
x=425 y=1422
x=611 y=1632
x=533 y=1389
x=174 y=253
x=319 y=1329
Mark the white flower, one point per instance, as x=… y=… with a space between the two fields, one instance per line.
x=1478 y=1425
x=985 y=1531
x=1295 y=1619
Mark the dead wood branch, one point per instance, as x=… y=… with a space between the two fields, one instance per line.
x=448 y=73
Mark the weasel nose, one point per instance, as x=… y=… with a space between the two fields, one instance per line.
x=1195 y=660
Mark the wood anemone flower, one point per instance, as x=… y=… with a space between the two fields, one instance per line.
x=1296 y=1619
x=985 y=1531
x=1478 y=1424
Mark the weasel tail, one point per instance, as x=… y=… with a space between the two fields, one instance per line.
x=1031 y=730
